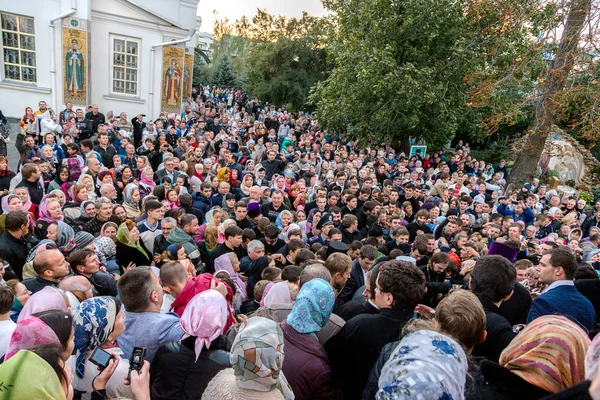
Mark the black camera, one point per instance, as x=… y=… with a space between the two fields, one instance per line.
x=136 y=362
x=100 y=358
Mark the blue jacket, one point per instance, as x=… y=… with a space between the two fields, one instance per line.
x=567 y=301
x=201 y=202
x=527 y=216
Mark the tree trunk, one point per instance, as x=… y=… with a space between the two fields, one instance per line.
x=528 y=158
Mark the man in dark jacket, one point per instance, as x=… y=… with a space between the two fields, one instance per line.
x=138 y=127
x=360 y=268
x=31 y=181
x=201 y=199
x=354 y=350
x=83 y=126
x=492 y=281
x=106 y=150
x=95 y=117
x=13 y=248
x=272 y=166
x=233 y=241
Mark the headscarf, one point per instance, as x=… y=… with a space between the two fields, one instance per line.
x=44 y=215
x=148 y=182
x=279 y=293
x=313 y=307
x=257 y=357
x=549 y=353
x=44 y=244
x=266 y=292
x=123 y=237
x=16 y=375
x=210 y=220
x=6 y=200
x=591 y=359
x=73 y=194
x=82 y=208
x=222 y=174
x=93 y=323
x=204 y=317
x=66 y=237
x=26 y=205
x=29 y=333
x=127 y=196
x=105 y=248
x=48 y=298
x=107 y=224
x=58 y=192
x=223 y=263
x=426 y=365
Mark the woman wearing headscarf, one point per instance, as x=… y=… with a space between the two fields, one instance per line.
x=61 y=177
x=306 y=364
x=229 y=263
x=48 y=298
x=88 y=212
x=547 y=357
x=130 y=249
x=131 y=201
x=50 y=211
x=245 y=186
x=98 y=323
x=77 y=195
x=213 y=218
x=260 y=340
x=147 y=184
x=45 y=327
x=426 y=365
x=63 y=235
x=106 y=251
x=183 y=369
x=278 y=298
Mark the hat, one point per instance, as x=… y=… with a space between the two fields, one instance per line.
x=253 y=210
x=588 y=256
x=479 y=199
x=83 y=239
x=407 y=259
x=501 y=249
x=326 y=219
x=125 y=134
x=337 y=247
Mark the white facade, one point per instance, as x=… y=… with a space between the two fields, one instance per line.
x=205 y=42
x=139 y=24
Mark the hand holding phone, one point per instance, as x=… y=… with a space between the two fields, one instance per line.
x=137 y=360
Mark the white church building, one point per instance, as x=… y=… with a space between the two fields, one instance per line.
x=124 y=55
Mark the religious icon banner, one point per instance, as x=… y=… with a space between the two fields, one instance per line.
x=172 y=87
x=74 y=65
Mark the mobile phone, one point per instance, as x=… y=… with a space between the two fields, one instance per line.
x=100 y=357
x=137 y=360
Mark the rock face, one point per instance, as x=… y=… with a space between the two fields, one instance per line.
x=568 y=157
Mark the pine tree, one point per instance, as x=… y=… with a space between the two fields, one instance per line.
x=223 y=75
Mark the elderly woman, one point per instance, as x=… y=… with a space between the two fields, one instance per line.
x=50 y=211
x=261 y=340
x=229 y=263
x=183 y=369
x=98 y=323
x=130 y=249
x=131 y=201
x=72 y=210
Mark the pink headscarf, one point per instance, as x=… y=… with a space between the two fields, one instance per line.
x=46 y=299
x=279 y=293
x=204 y=317
x=44 y=215
x=266 y=292
x=29 y=333
x=223 y=263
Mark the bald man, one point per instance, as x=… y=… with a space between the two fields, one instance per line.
x=77 y=288
x=50 y=267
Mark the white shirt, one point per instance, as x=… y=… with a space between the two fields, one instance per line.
x=556 y=284
x=6 y=330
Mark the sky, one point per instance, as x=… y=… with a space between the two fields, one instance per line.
x=234 y=9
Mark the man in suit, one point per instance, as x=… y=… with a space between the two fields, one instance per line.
x=360 y=267
x=557 y=269
x=168 y=170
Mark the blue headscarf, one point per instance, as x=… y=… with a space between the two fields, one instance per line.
x=94 y=322
x=313 y=307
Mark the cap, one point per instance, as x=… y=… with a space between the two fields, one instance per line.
x=326 y=219
x=337 y=247
x=500 y=249
x=254 y=210
x=83 y=239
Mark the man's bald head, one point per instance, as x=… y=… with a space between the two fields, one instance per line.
x=80 y=286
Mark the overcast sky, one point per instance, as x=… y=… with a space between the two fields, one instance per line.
x=234 y=9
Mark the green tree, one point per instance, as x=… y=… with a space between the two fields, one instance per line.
x=223 y=75
x=398 y=69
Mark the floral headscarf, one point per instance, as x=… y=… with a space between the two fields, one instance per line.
x=30 y=333
x=105 y=248
x=313 y=307
x=204 y=317
x=591 y=359
x=123 y=237
x=257 y=357
x=426 y=365
x=93 y=323
x=48 y=298
x=66 y=237
x=223 y=263
x=549 y=353
x=82 y=207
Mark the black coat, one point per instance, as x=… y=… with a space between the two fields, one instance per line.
x=14 y=252
x=356 y=307
x=590 y=288
x=499 y=332
x=502 y=384
x=5 y=180
x=127 y=254
x=356 y=347
x=516 y=309
x=176 y=374
x=356 y=280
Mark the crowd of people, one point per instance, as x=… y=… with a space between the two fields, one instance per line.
x=253 y=255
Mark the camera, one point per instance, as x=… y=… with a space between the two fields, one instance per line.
x=136 y=362
x=100 y=358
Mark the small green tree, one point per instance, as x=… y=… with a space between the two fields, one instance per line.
x=223 y=75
